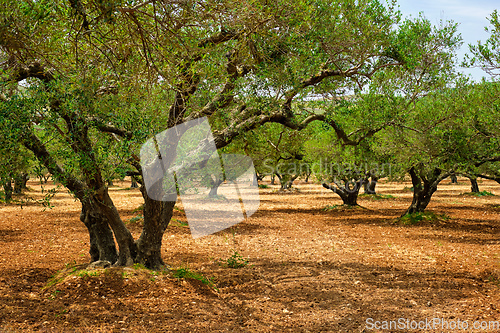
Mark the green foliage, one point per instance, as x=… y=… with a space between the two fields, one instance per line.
x=376 y=196
x=138 y=209
x=139 y=266
x=241 y=63
x=336 y=207
x=88 y=274
x=417 y=218
x=236 y=260
x=263 y=186
x=179 y=222
x=186 y=273
x=487 y=55
x=479 y=194
x=136 y=218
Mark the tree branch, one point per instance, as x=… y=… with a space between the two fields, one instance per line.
x=34 y=69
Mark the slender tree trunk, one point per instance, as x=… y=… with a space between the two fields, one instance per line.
x=454 y=179
x=308 y=174
x=157 y=216
x=369 y=184
x=7 y=187
x=280 y=178
x=18 y=183
x=102 y=243
x=26 y=177
x=474 y=186
x=134 y=183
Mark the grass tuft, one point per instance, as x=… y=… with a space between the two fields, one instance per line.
x=186 y=273
x=234 y=261
x=480 y=194
x=376 y=196
x=416 y=218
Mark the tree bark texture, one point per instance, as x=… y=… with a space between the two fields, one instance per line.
x=423 y=189
x=348 y=192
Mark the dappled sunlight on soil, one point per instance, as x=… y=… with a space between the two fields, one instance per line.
x=313 y=265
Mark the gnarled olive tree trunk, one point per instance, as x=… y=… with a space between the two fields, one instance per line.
x=369 y=183
x=424 y=187
x=102 y=243
x=348 y=192
x=474 y=186
x=286 y=181
x=157 y=216
x=126 y=243
x=20 y=182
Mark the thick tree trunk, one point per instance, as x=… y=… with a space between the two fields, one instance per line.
x=348 y=193
x=20 y=181
x=214 y=187
x=423 y=189
x=126 y=243
x=18 y=187
x=157 y=216
x=280 y=178
x=102 y=243
x=287 y=184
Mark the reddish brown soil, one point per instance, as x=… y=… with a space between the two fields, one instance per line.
x=309 y=270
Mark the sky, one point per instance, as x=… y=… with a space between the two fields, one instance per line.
x=471 y=16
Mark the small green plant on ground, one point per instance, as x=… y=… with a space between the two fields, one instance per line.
x=480 y=194
x=178 y=209
x=408 y=189
x=333 y=207
x=86 y=274
x=139 y=266
x=54 y=279
x=186 y=273
x=138 y=209
x=179 y=223
x=263 y=186
x=136 y=218
x=415 y=218
x=376 y=196
x=236 y=261
x=54 y=294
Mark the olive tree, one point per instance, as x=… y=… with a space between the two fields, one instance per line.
x=107 y=77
